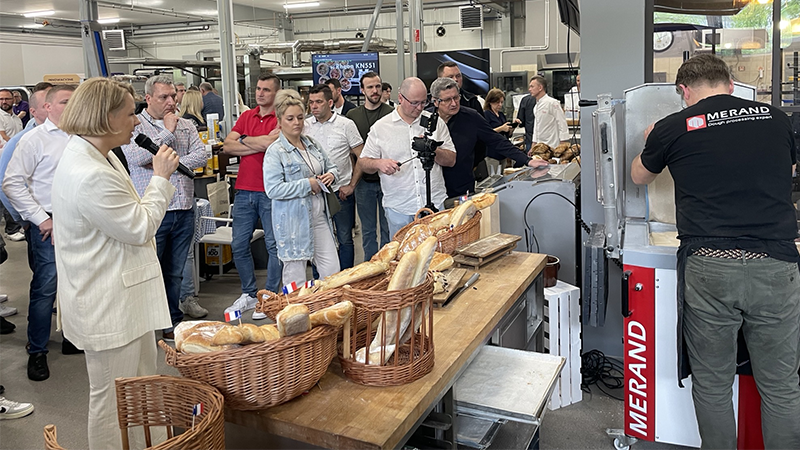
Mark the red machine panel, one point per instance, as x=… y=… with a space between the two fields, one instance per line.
x=638 y=306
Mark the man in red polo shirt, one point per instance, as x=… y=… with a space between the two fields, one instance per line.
x=255 y=130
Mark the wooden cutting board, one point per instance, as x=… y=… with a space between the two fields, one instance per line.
x=488 y=246
x=455 y=278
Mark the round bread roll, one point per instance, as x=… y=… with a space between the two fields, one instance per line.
x=293 y=319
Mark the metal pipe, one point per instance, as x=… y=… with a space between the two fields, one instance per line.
x=388 y=27
x=532 y=47
x=228 y=64
x=163 y=12
x=412 y=44
x=401 y=57
x=372 y=22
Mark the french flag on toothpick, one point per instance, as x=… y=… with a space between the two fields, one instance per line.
x=309 y=284
x=233 y=315
x=289 y=288
x=197 y=409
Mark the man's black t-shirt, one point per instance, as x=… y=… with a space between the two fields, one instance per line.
x=731 y=160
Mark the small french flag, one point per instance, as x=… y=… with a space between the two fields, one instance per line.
x=289 y=288
x=197 y=409
x=464 y=197
x=309 y=284
x=233 y=315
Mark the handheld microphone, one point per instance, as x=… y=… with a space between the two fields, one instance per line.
x=147 y=144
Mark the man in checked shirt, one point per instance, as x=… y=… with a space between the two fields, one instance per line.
x=160 y=123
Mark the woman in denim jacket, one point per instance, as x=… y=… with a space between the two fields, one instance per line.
x=295 y=170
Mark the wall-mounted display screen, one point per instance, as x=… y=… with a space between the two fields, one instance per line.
x=345 y=67
x=474 y=66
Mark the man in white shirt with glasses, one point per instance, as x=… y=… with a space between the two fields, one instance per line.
x=388 y=151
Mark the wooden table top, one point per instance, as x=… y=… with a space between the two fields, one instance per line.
x=339 y=413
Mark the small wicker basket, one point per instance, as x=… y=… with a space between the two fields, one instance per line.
x=165 y=401
x=413 y=358
x=258 y=376
x=466 y=233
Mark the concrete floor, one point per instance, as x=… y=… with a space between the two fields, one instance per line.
x=63 y=398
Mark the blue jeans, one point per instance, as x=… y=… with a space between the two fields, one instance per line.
x=42 y=259
x=344 y=221
x=369 y=199
x=248 y=207
x=187 y=285
x=173 y=239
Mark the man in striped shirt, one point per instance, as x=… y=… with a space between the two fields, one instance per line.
x=160 y=123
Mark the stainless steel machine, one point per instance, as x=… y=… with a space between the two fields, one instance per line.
x=639 y=230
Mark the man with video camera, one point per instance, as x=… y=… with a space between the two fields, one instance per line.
x=388 y=150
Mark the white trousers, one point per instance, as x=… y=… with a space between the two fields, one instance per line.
x=326 y=258
x=137 y=358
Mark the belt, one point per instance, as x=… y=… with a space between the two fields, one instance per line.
x=729 y=254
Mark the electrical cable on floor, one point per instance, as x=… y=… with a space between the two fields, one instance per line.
x=599 y=370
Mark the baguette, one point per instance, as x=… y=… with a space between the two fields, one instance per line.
x=227 y=335
x=252 y=333
x=387 y=253
x=335 y=315
x=441 y=221
x=404 y=273
x=483 y=200
x=270 y=332
x=360 y=272
x=441 y=262
x=462 y=213
x=425 y=253
x=293 y=319
x=414 y=237
x=197 y=343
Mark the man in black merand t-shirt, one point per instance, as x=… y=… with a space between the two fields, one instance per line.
x=732 y=161
x=369 y=196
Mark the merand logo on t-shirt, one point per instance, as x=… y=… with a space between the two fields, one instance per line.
x=727 y=116
x=695 y=123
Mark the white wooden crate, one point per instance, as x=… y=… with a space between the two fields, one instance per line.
x=563 y=338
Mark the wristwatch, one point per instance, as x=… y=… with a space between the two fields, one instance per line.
x=241 y=138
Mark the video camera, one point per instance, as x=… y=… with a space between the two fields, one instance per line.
x=424 y=145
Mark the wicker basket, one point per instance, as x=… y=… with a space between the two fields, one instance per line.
x=258 y=376
x=413 y=359
x=165 y=401
x=271 y=303
x=466 y=233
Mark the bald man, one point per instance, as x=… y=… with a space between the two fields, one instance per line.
x=389 y=143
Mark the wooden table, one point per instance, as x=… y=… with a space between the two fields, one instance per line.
x=339 y=413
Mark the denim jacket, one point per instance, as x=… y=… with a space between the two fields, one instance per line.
x=286 y=183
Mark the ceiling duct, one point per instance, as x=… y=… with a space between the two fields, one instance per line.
x=115 y=39
x=701 y=7
x=470 y=17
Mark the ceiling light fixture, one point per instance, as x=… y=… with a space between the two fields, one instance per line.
x=39 y=13
x=108 y=21
x=300 y=5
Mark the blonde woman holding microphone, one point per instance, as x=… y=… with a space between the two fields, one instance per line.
x=297 y=174
x=111 y=294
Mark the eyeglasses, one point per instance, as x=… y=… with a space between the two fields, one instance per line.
x=413 y=104
x=448 y=100
x=6 y=99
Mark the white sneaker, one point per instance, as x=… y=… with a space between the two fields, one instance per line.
x=243 y=303
x=259 y=315
x=14 y=410
x=191 y=308
x=18 y=236
x=6 y=311
x=3 y=298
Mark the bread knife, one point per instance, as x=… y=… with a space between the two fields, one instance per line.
x=458 y=290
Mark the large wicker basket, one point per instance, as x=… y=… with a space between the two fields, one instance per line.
x=466 y=233
x=258 y=376
x=414 y=358
x=165 y=401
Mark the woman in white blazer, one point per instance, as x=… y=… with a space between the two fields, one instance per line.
x=110 y=292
